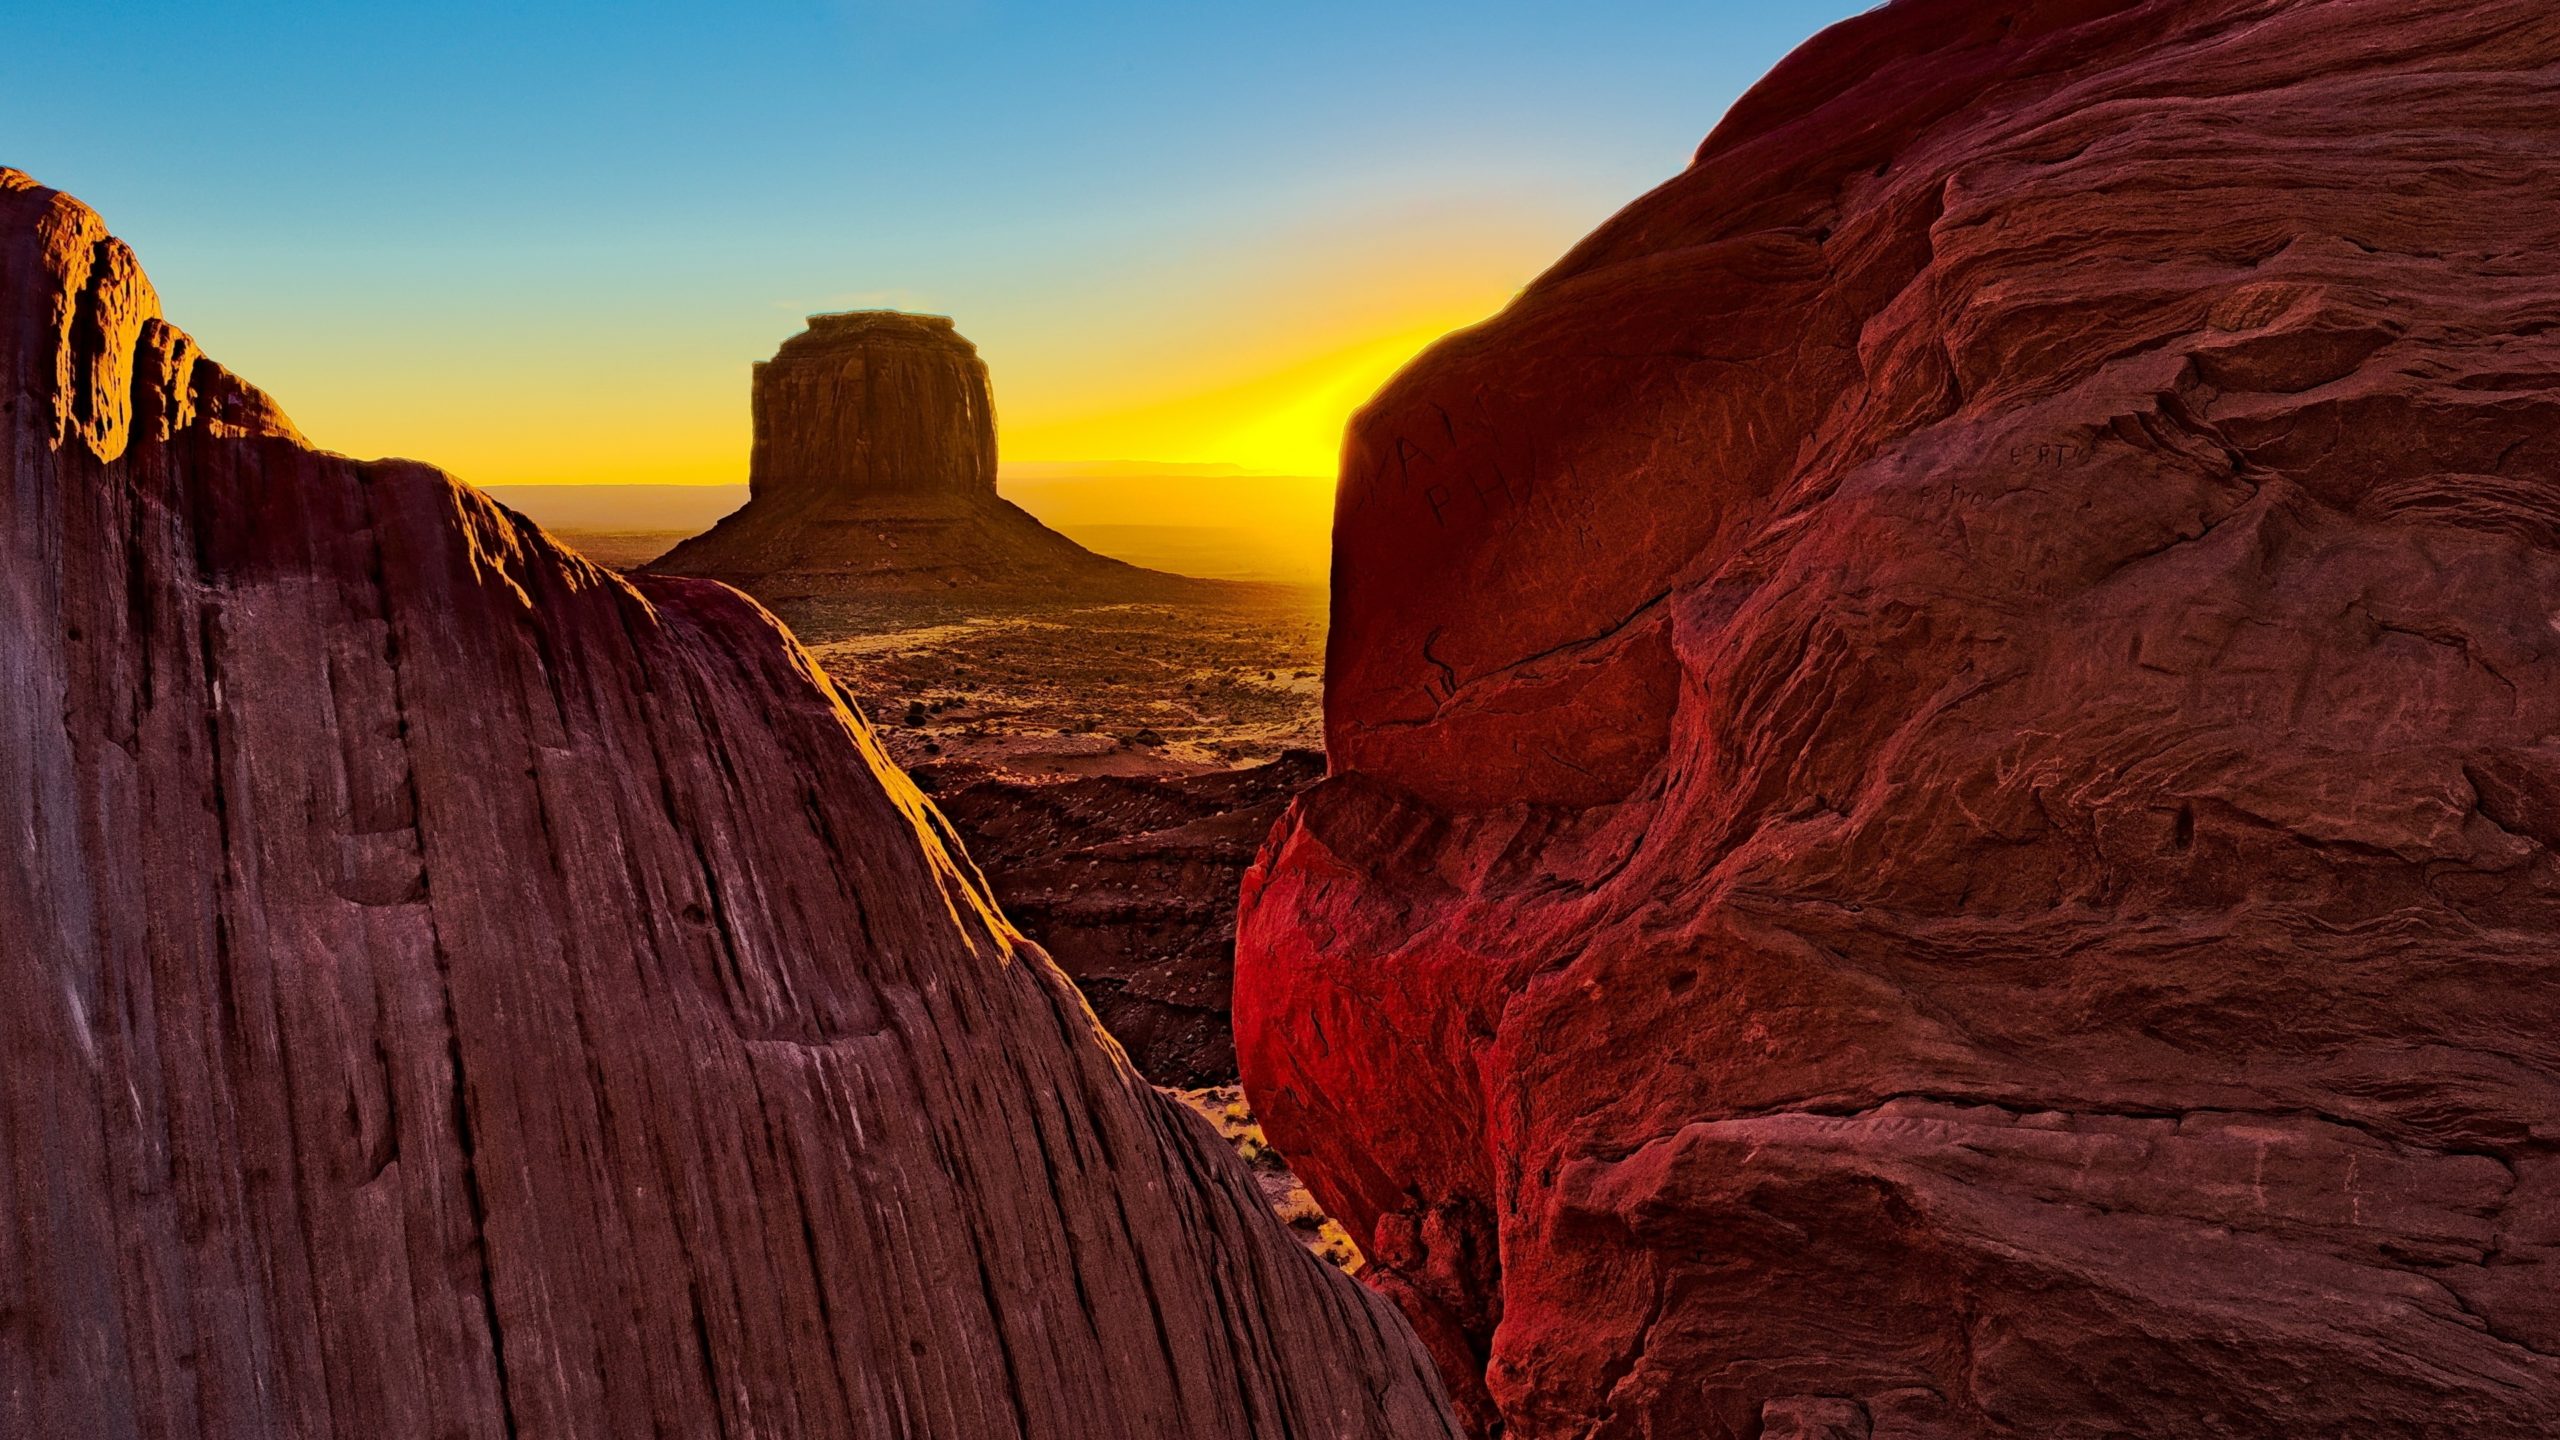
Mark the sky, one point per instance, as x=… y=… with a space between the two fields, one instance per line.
x=542 y=243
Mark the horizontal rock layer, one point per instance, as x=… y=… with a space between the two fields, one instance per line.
x=1945 y=757
x=451 y=991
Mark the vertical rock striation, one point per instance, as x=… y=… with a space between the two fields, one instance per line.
x=872 y=404
x=449 y=991
x=1945 y=757
x=874 y=471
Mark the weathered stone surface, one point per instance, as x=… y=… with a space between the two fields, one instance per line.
x=874 y=403
x=1129 y=883
x=874 y=470
x=450 y=991
x=1946 y=754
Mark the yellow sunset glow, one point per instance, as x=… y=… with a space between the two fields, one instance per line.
x=1287 y=421
x=655 y=419
x=1236 y=363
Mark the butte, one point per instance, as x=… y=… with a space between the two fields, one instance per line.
x=874 y=474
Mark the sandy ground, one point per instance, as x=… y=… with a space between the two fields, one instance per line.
x=1036 y=693
x=1031 y=689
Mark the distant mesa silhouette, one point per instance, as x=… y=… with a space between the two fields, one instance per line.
x=874 y=471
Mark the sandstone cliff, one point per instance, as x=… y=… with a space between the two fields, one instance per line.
x=450 y=991
x=1946 y=757
x=874 y=471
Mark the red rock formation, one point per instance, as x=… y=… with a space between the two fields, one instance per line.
x=1129 y=883
x=874 y=470
x=1946 y=754
x=874 y=402
x=450 y=991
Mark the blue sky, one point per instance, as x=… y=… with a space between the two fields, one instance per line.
x=534 y=240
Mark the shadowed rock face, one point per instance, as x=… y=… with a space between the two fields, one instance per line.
x=1946 y=755
x=874 y=471
x=448 y=990
x=1129 y=882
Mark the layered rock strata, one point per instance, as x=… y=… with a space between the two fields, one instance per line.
x=1945 y=757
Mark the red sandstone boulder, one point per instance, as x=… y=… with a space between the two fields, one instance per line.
x=446 y=990
x=1945 y=757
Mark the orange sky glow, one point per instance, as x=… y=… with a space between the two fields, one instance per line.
x=543 y=248
x=1248 y=362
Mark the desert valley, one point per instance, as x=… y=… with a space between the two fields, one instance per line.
x=1916 y=798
